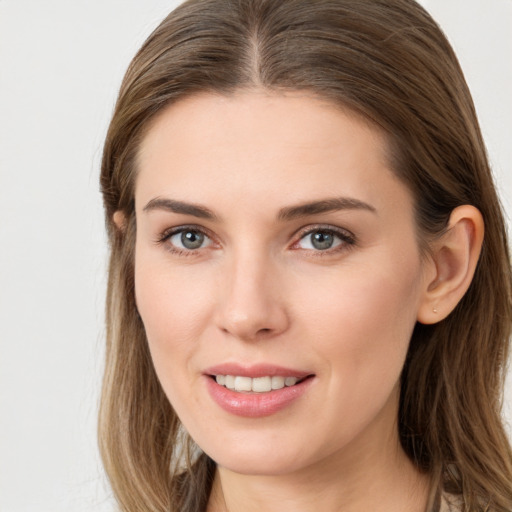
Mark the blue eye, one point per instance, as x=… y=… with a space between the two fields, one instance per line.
x=323 y=240
x=189 y=239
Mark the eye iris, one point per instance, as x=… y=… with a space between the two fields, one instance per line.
x=192 y=239
x=322 y=240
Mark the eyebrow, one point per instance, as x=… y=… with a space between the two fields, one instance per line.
x=285 y=214
x=171 y=205
x=323 y=206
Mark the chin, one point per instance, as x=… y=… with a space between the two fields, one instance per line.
x=261 y=456
x=259 y=466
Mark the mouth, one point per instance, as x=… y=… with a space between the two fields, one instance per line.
x=263 y=384
x=257 y=390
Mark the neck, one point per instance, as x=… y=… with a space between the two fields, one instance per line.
x=373 y=473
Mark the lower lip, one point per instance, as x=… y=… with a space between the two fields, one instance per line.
x=256 y=405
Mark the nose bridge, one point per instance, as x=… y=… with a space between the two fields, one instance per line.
x=251 y=306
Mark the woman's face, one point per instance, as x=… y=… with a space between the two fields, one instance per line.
x=276 y=252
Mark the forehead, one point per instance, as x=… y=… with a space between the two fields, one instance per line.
x=257 y=144
x=289 y=118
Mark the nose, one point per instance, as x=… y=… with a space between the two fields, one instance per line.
x=251 y=305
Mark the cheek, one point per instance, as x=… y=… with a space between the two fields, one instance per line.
x=363 y=320
x=173 y=308
x=174 y=305
x=359 y=327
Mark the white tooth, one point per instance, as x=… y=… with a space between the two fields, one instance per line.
x=261 y=384
x=230 y=382
x=277 y=382
x=290 y=381
x=243 y=384
x=221 y=379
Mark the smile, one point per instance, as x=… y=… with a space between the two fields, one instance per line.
x=256 y=391
x=257 y=384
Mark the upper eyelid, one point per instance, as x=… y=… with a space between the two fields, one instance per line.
x=167 y=233
x=323 y=227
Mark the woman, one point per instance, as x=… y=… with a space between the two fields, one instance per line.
x=303 y=309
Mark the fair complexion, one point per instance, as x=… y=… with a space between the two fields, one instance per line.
x=273 y=238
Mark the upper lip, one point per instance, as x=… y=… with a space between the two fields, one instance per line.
x=255 y=370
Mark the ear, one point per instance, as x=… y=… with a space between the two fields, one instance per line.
x=119 y=219
x=452 y=266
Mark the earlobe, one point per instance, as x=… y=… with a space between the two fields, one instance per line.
x=119 y=219
x=454 y=258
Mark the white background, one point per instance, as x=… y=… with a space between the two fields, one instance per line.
x=61 y=63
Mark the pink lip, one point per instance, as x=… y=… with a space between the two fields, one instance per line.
x=255 y=405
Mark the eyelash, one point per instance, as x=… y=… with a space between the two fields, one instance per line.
x=347 y=239
x=169 y=233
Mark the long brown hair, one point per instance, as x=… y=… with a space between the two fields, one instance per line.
x=388 y=61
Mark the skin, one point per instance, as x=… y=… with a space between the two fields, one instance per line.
x=258 y=291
